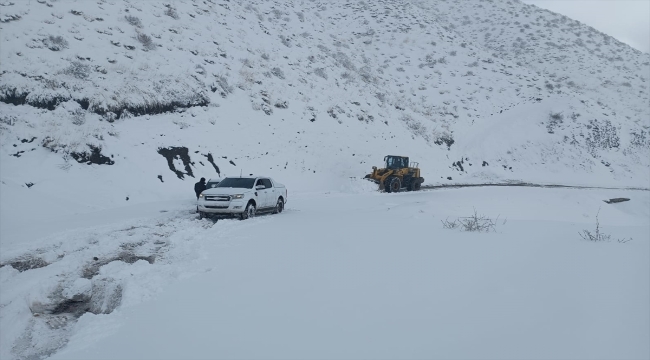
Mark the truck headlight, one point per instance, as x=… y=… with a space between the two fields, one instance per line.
x=200 y=195
x=238 y=196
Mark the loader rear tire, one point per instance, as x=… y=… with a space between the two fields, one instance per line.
x=393 y=184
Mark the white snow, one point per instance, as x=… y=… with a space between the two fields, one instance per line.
x=360 y=275
x=111 y=261
x=376 y=276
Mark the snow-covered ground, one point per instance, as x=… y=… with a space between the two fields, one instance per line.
x=346 y=274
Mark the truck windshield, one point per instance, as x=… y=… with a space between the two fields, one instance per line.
x=242 y=183
x=211 y=184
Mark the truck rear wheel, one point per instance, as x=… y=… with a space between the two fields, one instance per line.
x=279 y=206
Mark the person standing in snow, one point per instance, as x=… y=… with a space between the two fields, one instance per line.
x=199 y=187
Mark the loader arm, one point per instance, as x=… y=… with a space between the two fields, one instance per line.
x=382 y=178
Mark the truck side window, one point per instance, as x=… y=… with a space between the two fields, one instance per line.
x=267 y=183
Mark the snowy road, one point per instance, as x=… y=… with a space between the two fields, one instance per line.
x=364 y=275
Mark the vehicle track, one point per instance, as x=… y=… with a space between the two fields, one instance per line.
x=524 y=184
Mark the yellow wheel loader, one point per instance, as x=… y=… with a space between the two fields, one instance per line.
x=398 y=174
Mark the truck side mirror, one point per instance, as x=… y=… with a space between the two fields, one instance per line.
x=260 y=187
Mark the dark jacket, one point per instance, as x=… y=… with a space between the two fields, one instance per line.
x=198 y=188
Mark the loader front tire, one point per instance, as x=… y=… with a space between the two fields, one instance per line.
x=393 y=184
x=418 y=183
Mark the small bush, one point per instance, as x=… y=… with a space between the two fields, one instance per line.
x=473 y=223
x=343 y=60
x=276 y=13
x=446 y=224
x=347 y=76
x=78 y=69
x=247 y=63
x=54 y=145
x=366 y=75
x=321 y=72
x=640 y=138
x=78 y=116
x=555 y=119
x=281 y=104
x=110 y=117
x=146 y=41
x=446 y=139
x=133 y=20
x=416 y=127
x=598 y=236
x=55 y=43
x=222 y=82
x=286 y=41
x=171 y=12
x=8 y=119
x=126 y=114
x=277 y=72
x=323 y=48
x=602 y=135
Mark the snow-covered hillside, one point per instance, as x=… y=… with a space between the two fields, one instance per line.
x=311 y=93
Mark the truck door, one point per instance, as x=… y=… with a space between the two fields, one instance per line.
x=271 y=195
x=262 y=194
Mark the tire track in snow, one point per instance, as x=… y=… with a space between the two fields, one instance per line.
x=524 y=184
x=93 y=271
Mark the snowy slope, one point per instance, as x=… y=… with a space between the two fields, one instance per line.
x=343 y=84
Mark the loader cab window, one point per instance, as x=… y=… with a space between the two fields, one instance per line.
x=396 y=162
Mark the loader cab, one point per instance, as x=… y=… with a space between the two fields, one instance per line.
x=396 y=162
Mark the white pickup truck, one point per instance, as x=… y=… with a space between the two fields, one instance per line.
x=243 y=197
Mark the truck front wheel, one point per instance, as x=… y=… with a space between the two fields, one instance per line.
x=249 y=212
